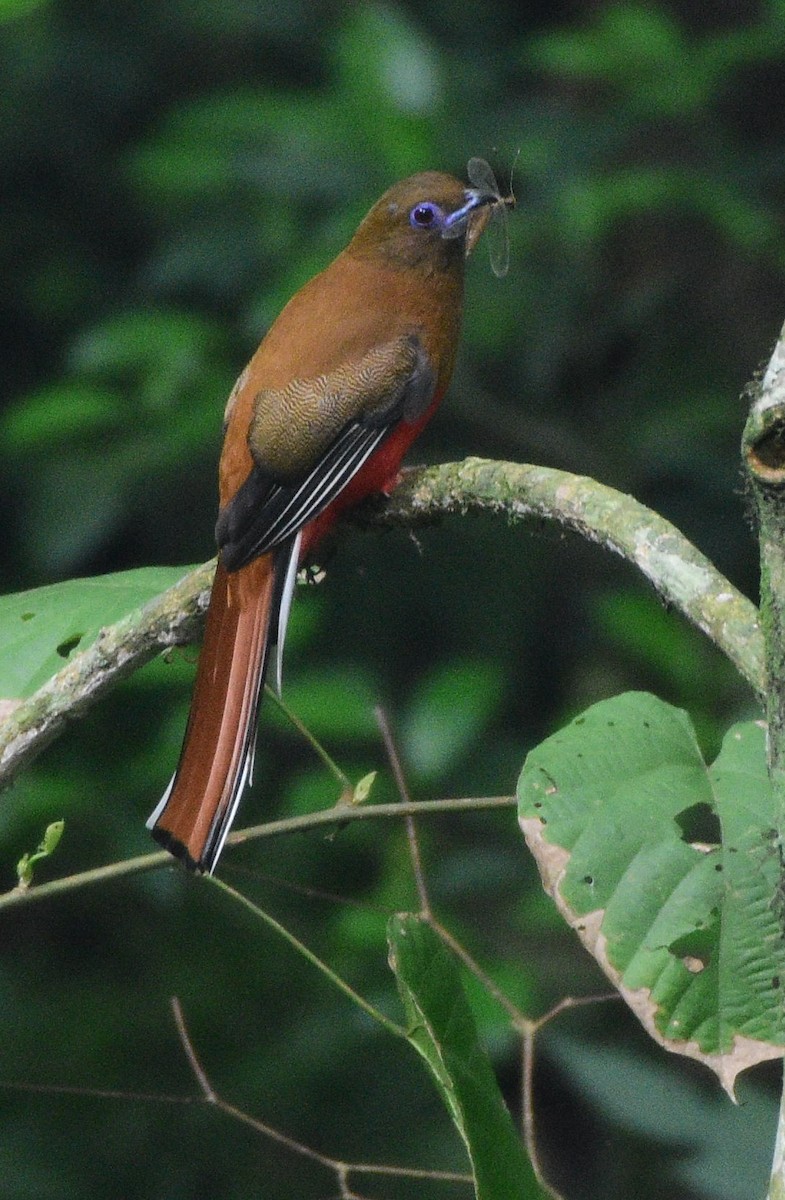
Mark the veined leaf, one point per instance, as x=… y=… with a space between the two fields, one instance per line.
x=442 y=1030
x=668 y=871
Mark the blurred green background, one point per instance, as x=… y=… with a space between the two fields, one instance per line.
x=171 y=172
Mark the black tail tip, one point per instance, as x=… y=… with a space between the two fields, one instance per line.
x=179 y=850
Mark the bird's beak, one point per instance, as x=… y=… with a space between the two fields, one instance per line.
x=472 y=217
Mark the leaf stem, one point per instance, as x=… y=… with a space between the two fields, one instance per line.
x=316 y=746
x=374 y=1013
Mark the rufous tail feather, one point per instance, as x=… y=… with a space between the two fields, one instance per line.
x=195 y=814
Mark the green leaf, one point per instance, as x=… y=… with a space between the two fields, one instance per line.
x=628 y=47
x=362 y=789
x=11 y=9
x=64 y=413
x=40 y=629
x=449 y=709
x=391 y=85
x=48 y=844
x=161 y=353
x=442 y=1030
x=668 y=871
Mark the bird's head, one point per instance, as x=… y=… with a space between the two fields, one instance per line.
x=430 y=220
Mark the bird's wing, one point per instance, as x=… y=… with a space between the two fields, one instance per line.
x=346 y=415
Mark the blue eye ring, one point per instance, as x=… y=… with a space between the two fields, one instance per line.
x=425 y=215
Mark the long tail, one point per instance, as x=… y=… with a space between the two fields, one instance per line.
x=196 y=812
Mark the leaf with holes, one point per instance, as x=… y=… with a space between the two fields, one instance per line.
x=442 y=1030
x=41 y=628
x=668 y=871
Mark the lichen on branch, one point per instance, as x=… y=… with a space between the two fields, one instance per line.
x=682 y=576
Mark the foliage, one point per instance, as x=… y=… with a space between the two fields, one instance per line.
x=44 y=626
x=667 y=870
x=442 y=1029
x=172 y=173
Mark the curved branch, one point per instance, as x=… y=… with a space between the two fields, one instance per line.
x=685 y=579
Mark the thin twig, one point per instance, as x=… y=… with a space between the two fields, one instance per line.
x=518 y=1018
x=529 y=1032
x=526 y=1027
x=330 y=763
x=341 y=1168
x=409 y=1172
x=426 y=908
x=396 y=766
x=523 y=1024
x=94 y=1093
x=238 y=1114
x=190 y=1053
x=338 y=814
x=374 y=1013
x=311 y=893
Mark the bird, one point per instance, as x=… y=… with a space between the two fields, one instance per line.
x=344 y=380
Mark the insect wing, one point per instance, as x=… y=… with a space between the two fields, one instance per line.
x=497 y=235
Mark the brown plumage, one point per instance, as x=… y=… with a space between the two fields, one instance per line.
x=343 y=382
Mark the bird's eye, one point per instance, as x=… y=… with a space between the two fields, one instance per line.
x=423 y=216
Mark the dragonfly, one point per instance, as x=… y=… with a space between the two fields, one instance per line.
x=497 y=236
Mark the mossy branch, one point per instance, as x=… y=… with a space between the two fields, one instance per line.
x=683 y=577
x=763 y=449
